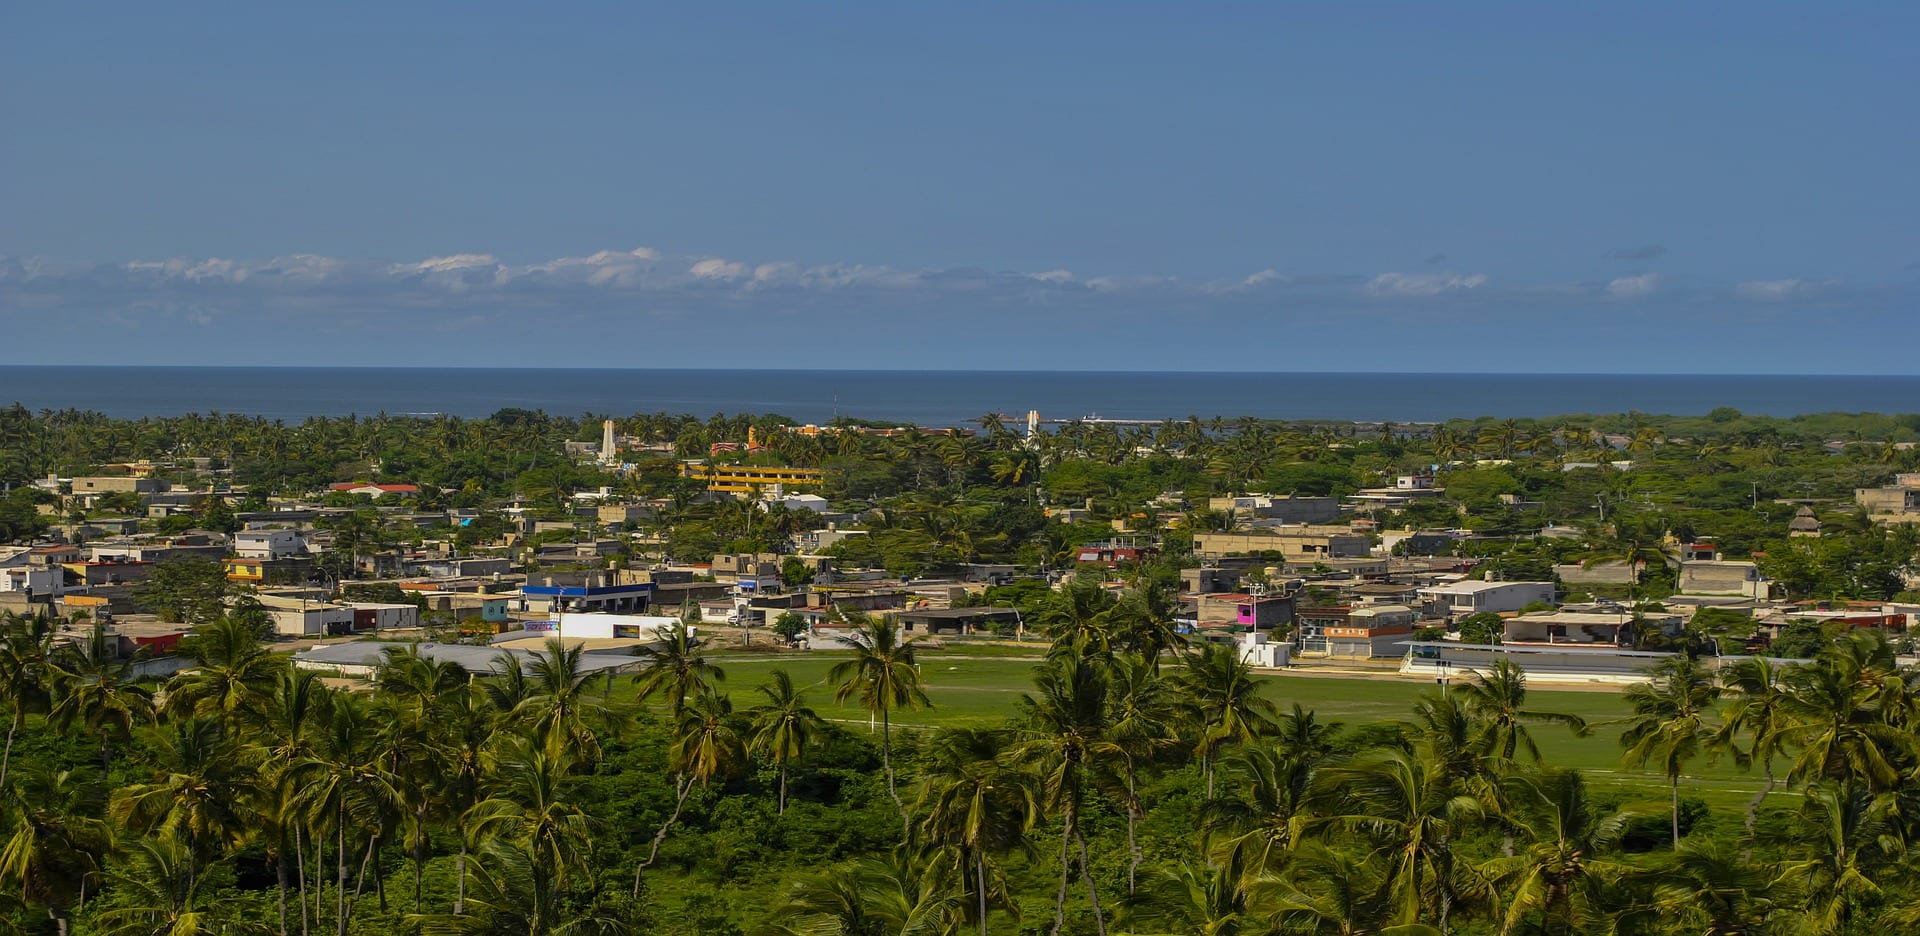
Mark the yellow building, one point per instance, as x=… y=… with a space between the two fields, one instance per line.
x=742 y=479
x=249 y=571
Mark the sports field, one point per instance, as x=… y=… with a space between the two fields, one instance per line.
x=970 y=689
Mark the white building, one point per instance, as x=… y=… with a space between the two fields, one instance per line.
x=42 y=581
x=1256 y=651
x=809 y=502
x=575 y=625
x=380 y=616
x=1473 y=597
x=268 y=544
x=1722 y=577
x=317 y=619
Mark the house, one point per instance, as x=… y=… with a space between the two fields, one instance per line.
x=1111 y=553
x=1460 y=599
x=117 y=484
x=309 y=618
x=375 y=616
x=1446 y=661
x=1609 y=572
x=958 y=620
x=574 y=625
x=55 y=555
x=812 y=503
x=1209 y=579
x=1257 y=650
x=1899 y=499
x=1804 y=523
x=374 y=490
x=1294 y=544
x=1419 y=542
x=268 y=544
x=592 y=594
x=34 y=581
x=1588 y=625
x=1370 y=631
x=1239 y=609
x=816 y=540
x=88 y=574
x=1722 y=577
x=461 y=605
x=1287 y=508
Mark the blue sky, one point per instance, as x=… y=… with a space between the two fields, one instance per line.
x=1357 y=186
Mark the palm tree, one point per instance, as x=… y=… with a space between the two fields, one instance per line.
x=865 y=898
x=55 y=844
x=529 y=810
x=1063 y=740
x=26 y=650
x=1329 y=892
x=1080 y=612
x=1143 y=623
x=197 y=793
x=562 y=705
x=675 y=668
x=1847 y=839
x=1758 y=711
x=159 y=894
x=423 y=683
x=1409 y=808
x=344 y=782
x=1669 y=724
x=1558 y=879
x=289 y=725
x=1226 y=698
x=883 y=675
x=1711 y=890
x=1841 y=711
x=462 y=753
x=1207 y=900
x=1264 y=818
x=232 y=669
x=94 y=687
x=784 y=728
x=509 y=687
x=973 y=805
x=705 y=746
x=1497 y=698
x=1144 y=722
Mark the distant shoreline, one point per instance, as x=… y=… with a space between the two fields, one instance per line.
x=933 y=398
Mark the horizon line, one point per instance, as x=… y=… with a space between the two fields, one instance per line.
x=977 y=370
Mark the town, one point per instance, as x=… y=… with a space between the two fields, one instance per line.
x=1412 y=550
x=311 y=661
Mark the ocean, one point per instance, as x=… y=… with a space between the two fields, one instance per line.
x=930 y=398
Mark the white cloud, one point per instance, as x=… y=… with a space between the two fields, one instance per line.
x=1423 y=284
x=1775 y=289
x=452 y=263
x=715 y=268
x=1634 y=287
x=1054 y=276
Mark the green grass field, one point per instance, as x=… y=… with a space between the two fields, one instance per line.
x=980 y=690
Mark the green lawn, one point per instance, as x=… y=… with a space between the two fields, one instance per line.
x=969 y=689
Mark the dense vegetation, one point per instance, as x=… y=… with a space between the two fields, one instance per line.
x=1129 y=792
x=1142 y=785
x=933 y=501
